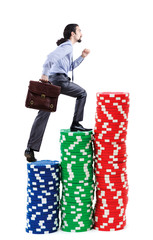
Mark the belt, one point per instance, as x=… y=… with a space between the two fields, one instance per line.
x=58 y=74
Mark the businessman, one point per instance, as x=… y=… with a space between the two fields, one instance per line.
x=55 y=70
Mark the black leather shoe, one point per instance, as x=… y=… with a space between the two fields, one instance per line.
x=78 y=127
x=29 y=154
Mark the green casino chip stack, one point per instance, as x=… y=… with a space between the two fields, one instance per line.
x=77 y=181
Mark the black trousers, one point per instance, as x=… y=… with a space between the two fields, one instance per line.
x=67 y=88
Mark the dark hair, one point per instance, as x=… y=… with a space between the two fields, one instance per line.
x=67 y=33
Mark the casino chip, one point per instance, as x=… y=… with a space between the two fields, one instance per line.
x=110 y=132
x=43 y=197
x=77 y=181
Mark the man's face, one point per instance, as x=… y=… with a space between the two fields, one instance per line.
x=78 y=34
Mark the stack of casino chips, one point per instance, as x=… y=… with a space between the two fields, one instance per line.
x=43 y=197
x=110 y=161
x=77 y=181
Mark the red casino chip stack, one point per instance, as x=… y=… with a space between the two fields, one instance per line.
x=110 y=161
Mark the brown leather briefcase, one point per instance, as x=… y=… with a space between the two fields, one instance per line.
x=42 y=96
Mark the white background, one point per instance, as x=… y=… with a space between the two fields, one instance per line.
x=120 y=37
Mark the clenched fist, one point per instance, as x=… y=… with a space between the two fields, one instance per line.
x=44 y=78
x=85 y=52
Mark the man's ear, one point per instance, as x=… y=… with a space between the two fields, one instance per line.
x=72 y=34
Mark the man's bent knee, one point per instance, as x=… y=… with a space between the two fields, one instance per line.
x=83 y=94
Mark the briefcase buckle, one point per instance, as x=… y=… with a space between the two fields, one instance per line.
x=43 y=95
x=51 y=105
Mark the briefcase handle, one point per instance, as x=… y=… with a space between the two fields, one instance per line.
x=44 y=82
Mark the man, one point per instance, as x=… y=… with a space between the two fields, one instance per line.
x=55 y=69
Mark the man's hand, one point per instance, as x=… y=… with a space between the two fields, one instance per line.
x=44 y=78
x=85 y=52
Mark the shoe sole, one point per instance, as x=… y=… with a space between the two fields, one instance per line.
x=75 y=130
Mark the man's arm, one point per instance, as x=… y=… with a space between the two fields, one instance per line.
x=77 y=62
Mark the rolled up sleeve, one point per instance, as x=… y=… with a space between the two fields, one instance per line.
x=76 y=63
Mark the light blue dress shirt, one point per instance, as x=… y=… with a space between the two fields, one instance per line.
x=61 y=60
